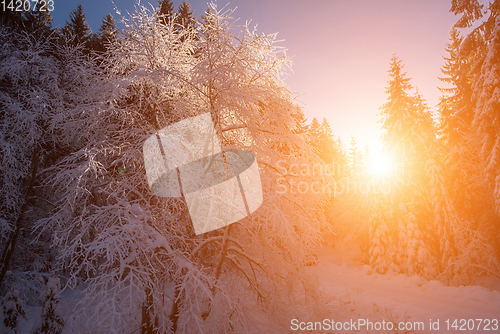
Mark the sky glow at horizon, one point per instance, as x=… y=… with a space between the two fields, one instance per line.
x=341 y=50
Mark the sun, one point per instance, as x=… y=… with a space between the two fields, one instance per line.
x=381 y=164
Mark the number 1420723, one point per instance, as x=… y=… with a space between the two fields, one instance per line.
x=27 y=5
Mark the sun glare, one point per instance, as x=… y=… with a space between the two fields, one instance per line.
x=381 y=164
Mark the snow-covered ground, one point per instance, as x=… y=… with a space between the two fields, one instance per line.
x=355 y=292
x=357 y=298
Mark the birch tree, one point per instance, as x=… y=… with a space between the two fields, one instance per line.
x=143 y=266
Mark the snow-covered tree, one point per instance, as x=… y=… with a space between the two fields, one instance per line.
x=321 y=137
x=474 y=161
x=414 y=255
x=456 y=103
x=29 y=100
x=486 y=98
x=381 y=249
x=12 y=310
x=456 y=114
x=77 y=28
x=403 y=216
x=51 y=321
x=484 y=141
x=143 y=264
x=327 y=142
x=185 y=18
x=108 y=32
x=165 y=11
x=301 y=127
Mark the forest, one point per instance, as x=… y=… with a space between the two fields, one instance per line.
x=87 y=247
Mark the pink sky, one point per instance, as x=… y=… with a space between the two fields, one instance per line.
x=343 y=49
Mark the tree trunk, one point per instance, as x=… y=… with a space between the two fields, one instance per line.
x=174 y=315
x=147 y=324
x=14 y=236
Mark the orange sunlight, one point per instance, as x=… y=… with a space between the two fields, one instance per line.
x=381 y=164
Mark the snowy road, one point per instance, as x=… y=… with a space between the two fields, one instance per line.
x=356 y=293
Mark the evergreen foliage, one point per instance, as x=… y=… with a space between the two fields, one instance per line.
x=185 y=18
x=51 y=321
x=165 y=12
x=12 y=310
x=77 y=29
x=108 y=33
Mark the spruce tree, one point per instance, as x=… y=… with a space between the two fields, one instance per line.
x=314 y=134
x=300 y=118
x=471 y=10
x=108 y=32
x=485 y=137
x=475 y=185
x=456 y=112
x=410 y=137
x=326 y=129
x=398 y=113
x=12 y=310
x=327 y=152
x=108 y=29
x=321 y=138
x=456 y=105
x=165 y=12
x=51 y=321
x=77 y=28
x=185 y=18
x=486 y=97
x=208 y=18
x=409 y=128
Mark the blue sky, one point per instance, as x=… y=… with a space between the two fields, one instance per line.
x=341 y=49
